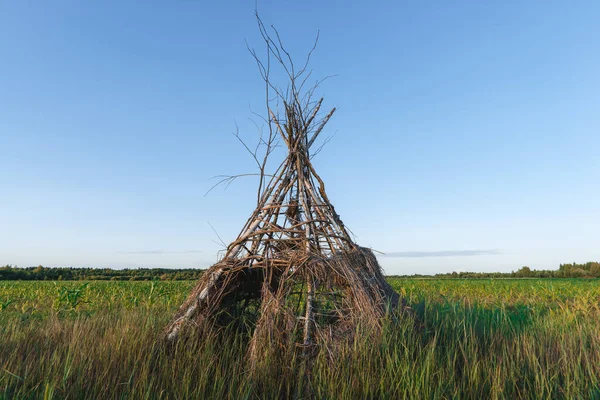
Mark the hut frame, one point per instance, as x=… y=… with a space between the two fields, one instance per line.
x=294 y=266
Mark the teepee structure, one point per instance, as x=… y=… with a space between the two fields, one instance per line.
x=294 y=275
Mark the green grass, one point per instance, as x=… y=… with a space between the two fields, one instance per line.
x=469 y=339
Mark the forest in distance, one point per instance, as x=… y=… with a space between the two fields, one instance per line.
x=41 y=273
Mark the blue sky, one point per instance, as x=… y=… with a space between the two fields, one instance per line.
x=467 y=135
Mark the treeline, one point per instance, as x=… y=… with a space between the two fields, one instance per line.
x=41 y=273
x=573 y=270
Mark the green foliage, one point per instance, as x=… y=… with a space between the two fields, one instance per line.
x=40 y=273
x=70 y=298
x=486 y=338
x=574 y=270
x=4 y=304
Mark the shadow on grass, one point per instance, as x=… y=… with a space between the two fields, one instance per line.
x=448 y=322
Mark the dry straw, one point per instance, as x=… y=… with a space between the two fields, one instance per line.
x=294 y=270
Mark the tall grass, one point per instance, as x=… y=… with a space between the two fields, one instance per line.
x=467 y=339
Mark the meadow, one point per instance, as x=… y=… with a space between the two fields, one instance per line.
x=485 y=338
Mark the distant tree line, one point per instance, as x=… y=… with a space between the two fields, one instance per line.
x=573 y=270
x=41 y=273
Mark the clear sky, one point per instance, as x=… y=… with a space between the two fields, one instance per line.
x=467 y=135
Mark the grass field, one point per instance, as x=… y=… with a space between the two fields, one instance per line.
x=468 y=339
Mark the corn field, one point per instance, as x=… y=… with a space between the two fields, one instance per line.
x=504 y=338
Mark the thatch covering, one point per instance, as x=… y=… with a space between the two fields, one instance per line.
x=294 y=278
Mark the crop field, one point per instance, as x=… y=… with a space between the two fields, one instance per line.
x=503 y=338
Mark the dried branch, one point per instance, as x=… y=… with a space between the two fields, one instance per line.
x=293 y=239
x=228 y=180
